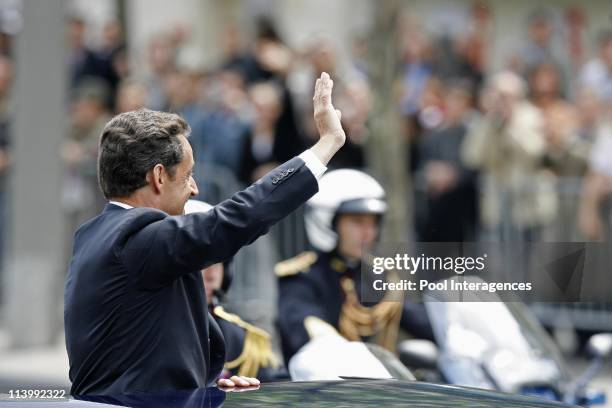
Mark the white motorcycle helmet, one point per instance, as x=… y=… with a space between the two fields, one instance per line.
x=342 y=191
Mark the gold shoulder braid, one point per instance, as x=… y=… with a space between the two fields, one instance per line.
x=295 y=265
x=381 y=320
x=257 y=350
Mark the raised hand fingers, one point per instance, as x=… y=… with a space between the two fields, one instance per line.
x=323 y=91
x=317 y=89
x=326 y=89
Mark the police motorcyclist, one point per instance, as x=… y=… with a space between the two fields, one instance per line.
x=319 y=290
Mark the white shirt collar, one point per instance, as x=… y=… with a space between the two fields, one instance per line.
x=120 y=204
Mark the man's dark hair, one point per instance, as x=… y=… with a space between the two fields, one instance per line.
x=132 y=143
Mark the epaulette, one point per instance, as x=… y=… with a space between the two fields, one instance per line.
x=295 y=265
x=257 y=348
x=234 y=318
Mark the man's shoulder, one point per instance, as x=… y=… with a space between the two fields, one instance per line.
x=120 y=219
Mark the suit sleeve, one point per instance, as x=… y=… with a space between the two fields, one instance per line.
x=174 y=245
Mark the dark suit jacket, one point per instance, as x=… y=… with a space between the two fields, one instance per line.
x=135 y=309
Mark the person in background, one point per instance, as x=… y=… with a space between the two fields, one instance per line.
x=566 y=158
x=82 y=60
x=474 y=44
x=160 y=62
x=540 y=46
x=566 y=152
x=545 y=87
x=270 y=59
x=417 y=66
x=575 y=30
x=507 y=145
x=261 y=146
x=598 y=184
x=182 y=92
x=315 y=56
x=113 y=40
x=81 y=197
x=113 y=57
x=86 y=63
x=429 y=116
x=4 y=167
x=320 y=291
x=356 y=102
x=131 y=95
x=5 y=87
x=589 y=111
x=220 y=138
x=449 y=212
x=452 y=60
x=596 y=74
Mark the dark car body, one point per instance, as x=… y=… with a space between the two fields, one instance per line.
x=348 y=393
x=381 y=393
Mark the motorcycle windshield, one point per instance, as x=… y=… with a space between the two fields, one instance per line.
x=493 y=345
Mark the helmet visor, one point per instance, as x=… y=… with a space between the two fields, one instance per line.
x=363 y=206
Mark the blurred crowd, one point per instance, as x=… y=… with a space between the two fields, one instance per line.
x=520 y=152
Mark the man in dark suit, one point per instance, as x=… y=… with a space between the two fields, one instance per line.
x=135 y=308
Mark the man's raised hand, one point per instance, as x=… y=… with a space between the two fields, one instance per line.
x=327 y=120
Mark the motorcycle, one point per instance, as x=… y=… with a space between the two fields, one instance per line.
x=500 y=346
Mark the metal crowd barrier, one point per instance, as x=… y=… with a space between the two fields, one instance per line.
x=587 y=316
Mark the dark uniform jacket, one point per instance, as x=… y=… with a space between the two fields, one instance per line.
x=321 y=288
x=136 y=316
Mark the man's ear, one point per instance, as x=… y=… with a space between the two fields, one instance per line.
x=157 y=177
